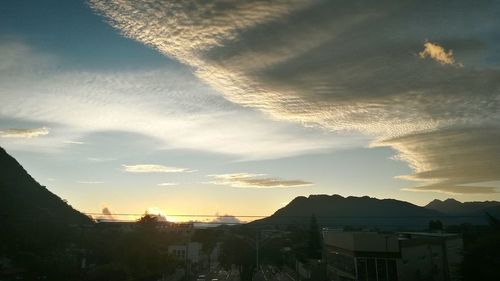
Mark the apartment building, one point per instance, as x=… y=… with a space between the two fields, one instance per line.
x=367 y=256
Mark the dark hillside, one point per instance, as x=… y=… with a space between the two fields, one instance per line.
x=338 y=211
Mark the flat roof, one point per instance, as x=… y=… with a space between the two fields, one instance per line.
x=431 y=234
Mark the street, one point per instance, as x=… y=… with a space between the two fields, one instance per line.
x=271 y=273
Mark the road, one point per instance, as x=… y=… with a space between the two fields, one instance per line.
x=221 y=275
x=266 y=273
x=271 y=273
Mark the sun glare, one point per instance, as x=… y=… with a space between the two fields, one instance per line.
x=162 y=214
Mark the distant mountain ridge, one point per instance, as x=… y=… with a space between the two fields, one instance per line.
x=338 y=211
x=453 y=207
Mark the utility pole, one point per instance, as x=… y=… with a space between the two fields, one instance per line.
x=257 y=250
x=257 y=243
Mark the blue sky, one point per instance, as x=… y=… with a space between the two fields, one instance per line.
x=237 y=109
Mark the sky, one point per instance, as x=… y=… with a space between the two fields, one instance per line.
x=237 y=107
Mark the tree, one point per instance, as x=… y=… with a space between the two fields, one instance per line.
x=435 y=225
x=482 y=253
x=148 y=222
x=208 y=239
x=237 y=251
x=314 y=245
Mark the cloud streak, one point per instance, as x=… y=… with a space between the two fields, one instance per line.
x=152 y=168
x=168 y=184
x=452 y=161
x=91 y=182
x=73 y=142
x=24 y=133
x=246 y=180
x=345 y=67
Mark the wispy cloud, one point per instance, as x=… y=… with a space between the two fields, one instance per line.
x=73 y=142
x=152 y=168
x=24 y=133
x=91 y=182
x=246 y=180
x=437 y=53
x=451 y=161
x=454 y=189
x=168 y=184
x=167 y=104
x=100 y=159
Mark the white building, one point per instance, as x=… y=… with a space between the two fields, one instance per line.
x=430 y=256
x=361 y=256
x=392 y=257
x=190 y=251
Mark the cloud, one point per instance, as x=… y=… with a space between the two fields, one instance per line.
x=106 y=215
x=346 y=67
x=168 y=184
x=100 y=159
x=452 y=160
x=454 y=189
x=91 y=182
x=167 y=104
x=24 y=133
x=437 y=53
x=73 y=142
x=152 y=168
x=246 y=180
x=226 y=219
x=106 y=211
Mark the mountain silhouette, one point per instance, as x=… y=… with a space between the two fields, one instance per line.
x=454 y=207
x=24 y=201
x=360 y=212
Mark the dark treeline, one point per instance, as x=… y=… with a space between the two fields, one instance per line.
x=54 y=251
x=482 y=251
x=89 y=252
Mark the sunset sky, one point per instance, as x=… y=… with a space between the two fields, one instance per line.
x=237 y=107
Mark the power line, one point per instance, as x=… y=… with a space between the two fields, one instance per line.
x=180 y=215
x=287 y=216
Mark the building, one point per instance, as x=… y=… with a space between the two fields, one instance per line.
x=361 y=256
x=181 y=228
x=190 y=251
x=391 y=257
x=430 y=256
x=10 y=272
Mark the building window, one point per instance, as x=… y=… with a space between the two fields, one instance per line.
x=361 y=265
x=382 y=270
x=392 y=270
x=341 y=262
x=371 y=270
